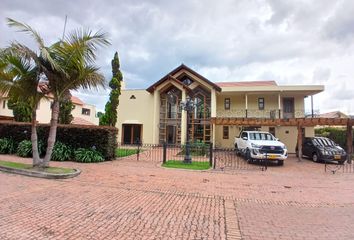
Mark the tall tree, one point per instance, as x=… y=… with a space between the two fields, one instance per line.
x=21 y=109
x=19 y=79
x=110 y=116
x=65 y=108
x=67 y=65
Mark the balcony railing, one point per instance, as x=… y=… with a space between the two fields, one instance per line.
x=256 y=113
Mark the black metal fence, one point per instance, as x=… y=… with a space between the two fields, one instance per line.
x=333 y=167
x=218 y=158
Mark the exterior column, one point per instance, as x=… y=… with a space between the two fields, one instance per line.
x=299 y=142
x=213 y=103
x=183 y=120
x=279 y=106
x=246 y=104
x=312 y=113
x=213 y=115
x=156 y=119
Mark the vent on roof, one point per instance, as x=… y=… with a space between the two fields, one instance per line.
x=132 y=97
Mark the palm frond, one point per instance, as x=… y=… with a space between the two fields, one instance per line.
x=22 y=27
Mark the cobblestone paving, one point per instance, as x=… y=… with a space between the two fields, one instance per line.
x=126 y=199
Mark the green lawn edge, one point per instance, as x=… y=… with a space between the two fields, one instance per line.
x=125 y=152
x=182 y=165
x=54 y=170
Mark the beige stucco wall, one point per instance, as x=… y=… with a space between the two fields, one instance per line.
x=77 y=112
x=4 y=110
x=138 y=110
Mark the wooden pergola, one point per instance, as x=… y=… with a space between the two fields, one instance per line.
x=298 y=122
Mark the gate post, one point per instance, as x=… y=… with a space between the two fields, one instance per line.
x=138 y=152
x=211 y=154
x=164 y=152
x=349 y=141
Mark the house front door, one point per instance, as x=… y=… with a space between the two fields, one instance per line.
x=288 y=108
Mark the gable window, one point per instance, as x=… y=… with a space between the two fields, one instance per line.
x=227 y=103
x=261 y=103
x=4 y=104
x=86 y=111
x=225 y=132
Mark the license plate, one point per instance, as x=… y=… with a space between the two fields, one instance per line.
x=337 y=157
x=272 y=156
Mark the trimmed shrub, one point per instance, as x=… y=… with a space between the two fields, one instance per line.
x=88 y=155
x=61 y=152
x=103 y=139
x=7 y=145
x=24 y=148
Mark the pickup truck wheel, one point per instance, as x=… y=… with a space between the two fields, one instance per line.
x=248 y=156
x=237 y=150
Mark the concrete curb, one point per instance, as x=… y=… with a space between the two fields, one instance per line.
x=40 y=174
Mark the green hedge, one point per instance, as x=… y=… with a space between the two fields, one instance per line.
x=338 y=135
x=103 y=139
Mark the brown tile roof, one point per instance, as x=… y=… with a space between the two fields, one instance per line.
x=182 y=66
x=77 y=100
x=80 y=121
x=246 y=84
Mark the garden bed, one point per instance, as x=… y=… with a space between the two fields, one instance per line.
x=29 y=170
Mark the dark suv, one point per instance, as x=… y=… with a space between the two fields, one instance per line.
x=322 y=149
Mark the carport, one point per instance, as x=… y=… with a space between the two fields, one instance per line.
x=300 y=123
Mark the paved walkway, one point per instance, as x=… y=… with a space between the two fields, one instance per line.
x=126 y=199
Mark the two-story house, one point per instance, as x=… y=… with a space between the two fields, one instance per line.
x=84 y=114
x=154 y=115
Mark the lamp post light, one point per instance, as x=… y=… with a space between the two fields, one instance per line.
x=187 y=106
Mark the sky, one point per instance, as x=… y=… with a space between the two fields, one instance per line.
x=291 y=42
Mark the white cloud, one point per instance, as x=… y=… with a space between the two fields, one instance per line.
x=302 y=42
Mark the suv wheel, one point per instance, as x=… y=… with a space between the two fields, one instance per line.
x=315 y=157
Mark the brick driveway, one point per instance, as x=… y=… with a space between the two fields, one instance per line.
x=126 y=199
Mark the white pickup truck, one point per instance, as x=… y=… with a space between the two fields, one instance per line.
x=256 y=145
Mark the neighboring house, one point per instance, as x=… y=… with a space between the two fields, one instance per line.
x=84 y=114
x=153 y=115
x=335 y=114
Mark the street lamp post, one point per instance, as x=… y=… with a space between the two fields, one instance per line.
x=188 y=106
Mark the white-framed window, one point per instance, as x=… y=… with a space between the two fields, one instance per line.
x=86 y=111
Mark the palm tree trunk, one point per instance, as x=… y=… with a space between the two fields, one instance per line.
x=52 y=132
x=34 y=139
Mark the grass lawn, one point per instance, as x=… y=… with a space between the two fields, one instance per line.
x=55 y=170
x=123 y=152
x=180 y=164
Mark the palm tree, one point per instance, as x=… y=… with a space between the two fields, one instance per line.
x=67 y=65
x=19 y=78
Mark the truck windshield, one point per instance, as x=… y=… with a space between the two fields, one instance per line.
x=261 y=136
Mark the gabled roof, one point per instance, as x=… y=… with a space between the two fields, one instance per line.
x=182 y=67
x=246 y=84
